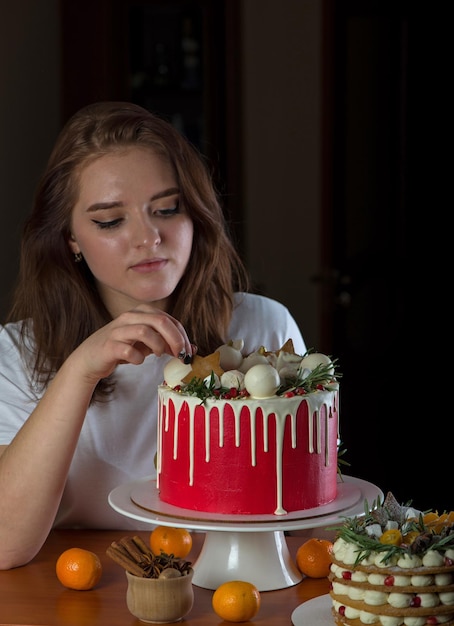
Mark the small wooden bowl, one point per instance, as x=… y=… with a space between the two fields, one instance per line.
x=160 y=600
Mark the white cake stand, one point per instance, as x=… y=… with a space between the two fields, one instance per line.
x=243 y=547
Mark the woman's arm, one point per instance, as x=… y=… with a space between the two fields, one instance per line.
x=34 y=467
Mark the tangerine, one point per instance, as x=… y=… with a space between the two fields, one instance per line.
x=391 y=537
x=236 y=601
x=313 y=557
x=170 y=540
x=438 y=522
x=430 y=519
x=77 y=568
x=445 y=519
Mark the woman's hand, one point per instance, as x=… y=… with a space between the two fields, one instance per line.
x=130 y=338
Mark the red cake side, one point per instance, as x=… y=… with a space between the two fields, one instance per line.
x=247 y=456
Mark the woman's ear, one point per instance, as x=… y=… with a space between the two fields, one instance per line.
x=74 y=246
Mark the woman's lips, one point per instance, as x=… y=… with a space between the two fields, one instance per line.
x=149 y=265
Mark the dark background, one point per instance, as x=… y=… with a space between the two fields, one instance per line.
x=372 y=139
x=383 y=140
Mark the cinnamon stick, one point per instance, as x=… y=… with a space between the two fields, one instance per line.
x=126 y=562
x=137 y=558
x=136 y=554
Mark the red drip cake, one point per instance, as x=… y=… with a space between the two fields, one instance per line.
x=253 y=435
x=394 y=566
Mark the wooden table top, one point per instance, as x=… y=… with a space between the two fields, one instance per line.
x=32 y=595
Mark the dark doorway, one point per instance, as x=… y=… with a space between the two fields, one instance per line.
x=369 y=187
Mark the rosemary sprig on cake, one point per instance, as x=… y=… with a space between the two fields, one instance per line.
x=320 y=378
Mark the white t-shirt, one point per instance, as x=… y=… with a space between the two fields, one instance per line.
x=118 y=439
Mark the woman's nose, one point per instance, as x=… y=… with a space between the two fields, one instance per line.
x=147 y=234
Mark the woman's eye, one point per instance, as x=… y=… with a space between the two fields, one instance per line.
x=109 y=224
x=164 y=212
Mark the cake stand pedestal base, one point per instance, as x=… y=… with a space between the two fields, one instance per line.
x=243 y=547
x=261 y=558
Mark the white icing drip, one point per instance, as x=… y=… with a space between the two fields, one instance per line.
x=191 y=447
x=281 y=407
x=280 y=426
x=253 y=441
x=318 y=432
x=310 y=426
x=293 y=429
x=265 y=433
x=161 y=409
x=221 y=428
x=327 y=418
x=207 y=437
x=175 y=433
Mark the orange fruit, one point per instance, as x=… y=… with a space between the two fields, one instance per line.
x=79 y=569
x=313 y=557
x=409 y=537
x=445 y=519
x=391 y=537
x=176 y=541
x=430 y=519
x=236 y=601
x=437 y=522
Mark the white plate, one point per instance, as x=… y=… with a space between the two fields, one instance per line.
x=315 y=612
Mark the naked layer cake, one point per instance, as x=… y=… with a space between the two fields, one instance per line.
x=254 y=434
x=394 y=566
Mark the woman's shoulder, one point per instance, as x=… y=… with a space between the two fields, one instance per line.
x=16 y=340
x=262 y=321
x=258 y=303
x=10 y=332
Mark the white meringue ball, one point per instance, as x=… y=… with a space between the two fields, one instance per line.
x=174 y=372
x=233 y=378
x=238 y=344
x=262 y=380
x=230 y=358
x=311 y=361
x=252 y=359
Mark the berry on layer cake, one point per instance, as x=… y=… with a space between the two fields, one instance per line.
x=248 y=435
x=392 y=567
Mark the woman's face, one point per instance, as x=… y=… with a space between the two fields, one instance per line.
x=128 y=225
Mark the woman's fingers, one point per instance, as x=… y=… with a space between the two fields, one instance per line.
x=157 y=330
x=130 y=338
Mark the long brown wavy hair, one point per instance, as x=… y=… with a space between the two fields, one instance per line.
x=59 y=298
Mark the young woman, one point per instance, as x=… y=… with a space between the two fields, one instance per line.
x=126 y=262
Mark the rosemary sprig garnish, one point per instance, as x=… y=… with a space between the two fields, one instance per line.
x=340 y=461
x=320 y=376
x=204 y=390
x=367 y=545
